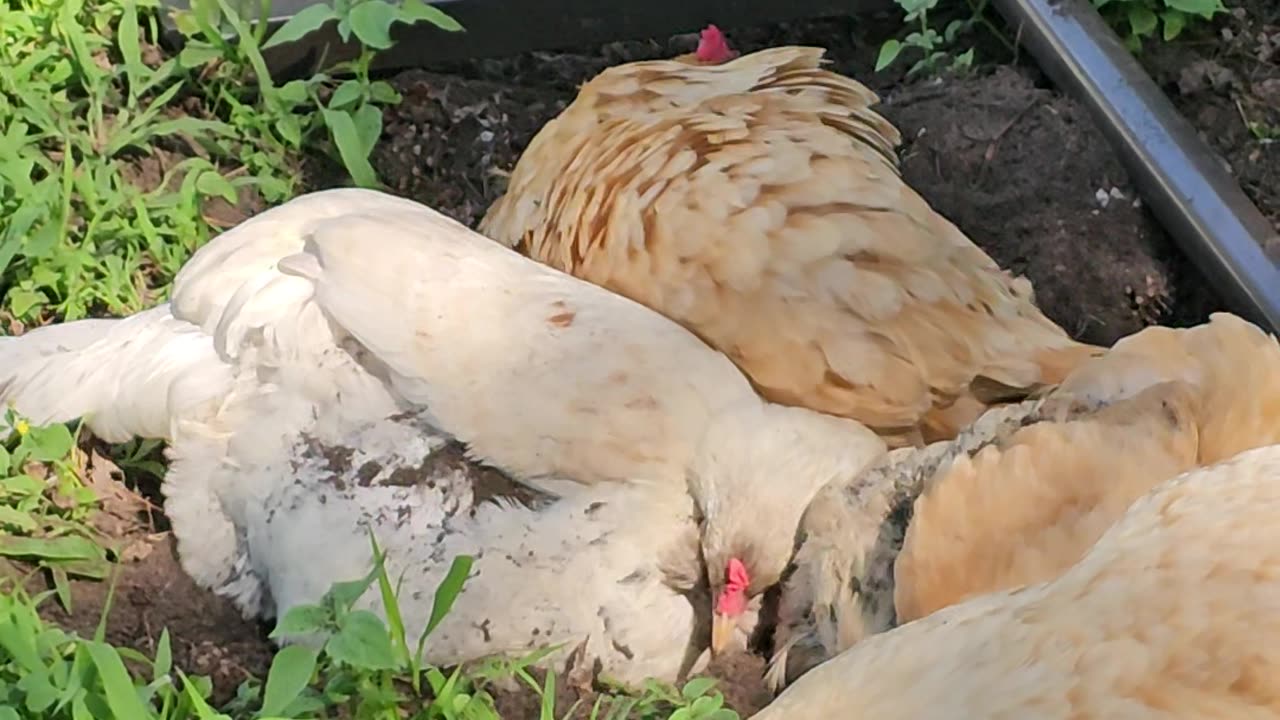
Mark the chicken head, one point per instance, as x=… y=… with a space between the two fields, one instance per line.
x=754 y=474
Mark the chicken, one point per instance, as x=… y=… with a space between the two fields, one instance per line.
x=1023 y=494
x=1171 y=614
x=605 y=571
x=346 y=306
x=758 y=202
x=972 y=532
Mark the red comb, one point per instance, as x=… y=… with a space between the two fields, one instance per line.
x=735 y=574
x=713 y=47
x=733 y=599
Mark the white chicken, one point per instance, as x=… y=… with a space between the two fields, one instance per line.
x=1027 y=490
x=610 y=571
x=1171 y=614
x=344 y=307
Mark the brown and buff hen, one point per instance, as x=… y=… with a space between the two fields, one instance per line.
x=757 y=201
x=1172 y=613
x=1022 y=494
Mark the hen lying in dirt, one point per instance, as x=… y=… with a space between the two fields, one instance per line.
x=1022 y=495
x=1170 y=614
x=757 y=201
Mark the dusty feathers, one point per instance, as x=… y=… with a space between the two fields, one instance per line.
x=1021 y=495
x=1198 y=557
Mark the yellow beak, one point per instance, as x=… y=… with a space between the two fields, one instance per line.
x=722 y=627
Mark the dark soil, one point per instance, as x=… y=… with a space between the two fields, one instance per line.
x=208 y=636
x=1226 y=81
x=1017 y=166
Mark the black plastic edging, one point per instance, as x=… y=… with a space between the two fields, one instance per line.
x=505 y=27
x=1186 y=184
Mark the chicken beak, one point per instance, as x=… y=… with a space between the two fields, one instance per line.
x=722 y=627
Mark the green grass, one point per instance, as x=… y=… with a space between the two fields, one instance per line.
x=113 y=154
x=354 y=664
x=44 y=504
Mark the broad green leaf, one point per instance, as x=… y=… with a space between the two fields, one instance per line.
x=22 y=484
x=346 y=94
x=368 y=122
x=1141 y=20
x=49 y=443
x=198 y=54
x=350 y=147
x=17 y=519
x=301 y=620
x=294 y=92
x=371 y=22
x=18 y=641
x=697 y=687
x=213 y=184
x=310 y=19
x=381 y=91
x=40 y=692
x=1174 y=22
x=290 y=673
x=5 y=461
x=22 y=301
x=1204 y=8
x=414 y=10
x=290 y=130
x=888 y=52
x=362 y=642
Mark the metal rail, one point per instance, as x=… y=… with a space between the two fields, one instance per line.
x=1184 y=182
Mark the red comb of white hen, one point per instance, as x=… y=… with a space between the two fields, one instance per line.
x=713 y=47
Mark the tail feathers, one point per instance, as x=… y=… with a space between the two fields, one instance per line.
x=130 y=377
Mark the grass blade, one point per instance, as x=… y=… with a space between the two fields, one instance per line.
x=446 y=594
x=121 y=696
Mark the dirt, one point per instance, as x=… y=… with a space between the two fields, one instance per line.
x=208 y=636
x=1226 y=81
x=1017 y=166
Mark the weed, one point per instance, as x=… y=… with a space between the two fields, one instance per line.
x=43 y=506
x=936 y=49
x=115 y=160
x=49 y=674
x=1137 y=20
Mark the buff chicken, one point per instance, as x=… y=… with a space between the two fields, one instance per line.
x=757 y=200
x=1021 y=495
x=1170 y=614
